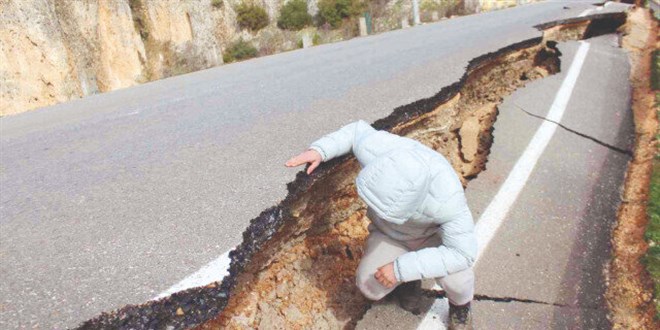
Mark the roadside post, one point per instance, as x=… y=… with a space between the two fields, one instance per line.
x=307 y=40
x=363 y=26
x=416 y=20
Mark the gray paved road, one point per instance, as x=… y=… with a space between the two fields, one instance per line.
x=111 y=199
x=555 y=242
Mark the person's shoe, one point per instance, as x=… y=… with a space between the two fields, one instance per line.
x=409 y=295
x=460 y=317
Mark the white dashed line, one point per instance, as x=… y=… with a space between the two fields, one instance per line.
x=585 y=13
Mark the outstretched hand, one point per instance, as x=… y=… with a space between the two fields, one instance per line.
x=309 y=156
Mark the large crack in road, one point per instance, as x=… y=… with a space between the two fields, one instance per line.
x=296 y=264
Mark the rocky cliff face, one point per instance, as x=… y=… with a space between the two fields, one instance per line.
x=35 y=64
x=52 y=51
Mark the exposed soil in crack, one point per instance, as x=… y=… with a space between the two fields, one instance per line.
x=306 y=277
x=296 y=265
x=629 y=287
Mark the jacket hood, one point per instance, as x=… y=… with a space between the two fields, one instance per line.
x=395 y=184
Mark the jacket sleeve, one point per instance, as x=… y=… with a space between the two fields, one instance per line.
x=341 y=141
x=457 y=252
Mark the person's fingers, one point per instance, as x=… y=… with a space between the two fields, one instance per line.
x=385 y=282
x=294 y=161
x=382 y=279
x=297 y=160
x=378 y=275
x=307 y=156
x=313 y=167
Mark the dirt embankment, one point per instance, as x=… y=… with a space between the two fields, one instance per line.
x=305 y=274
x=630 y=289
x=295 y=267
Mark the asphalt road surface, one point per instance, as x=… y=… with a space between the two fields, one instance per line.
x=112 y=199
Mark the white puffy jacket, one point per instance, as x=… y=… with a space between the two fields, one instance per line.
x=412 y=192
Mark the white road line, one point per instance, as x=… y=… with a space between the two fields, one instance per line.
x=215 y=270
x=584 y=13
x=599 y=8
x=494 y=215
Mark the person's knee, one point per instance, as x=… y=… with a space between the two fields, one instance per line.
x=459 y=286
x=458 y=283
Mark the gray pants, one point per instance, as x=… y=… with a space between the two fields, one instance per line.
x=381 y=249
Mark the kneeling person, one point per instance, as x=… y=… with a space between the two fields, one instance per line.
x=421 y=226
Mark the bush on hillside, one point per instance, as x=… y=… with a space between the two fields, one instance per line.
x=327 y=14
x=240 y=50
x=333 y=12
x=251 y=17
x=294 y=15
x=217 y=3
x=431 y=5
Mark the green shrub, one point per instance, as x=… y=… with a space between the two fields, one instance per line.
x=429 y=5
x=294 y=15
x=240 y=50
x=332 y=12
x=348 y=8
x=327 y=13
x=251 y=17
x=652 y=258
x=218 y=3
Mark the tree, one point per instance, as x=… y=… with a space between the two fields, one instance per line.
x=334 y=11
x=294 y=15
x=251 y=16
